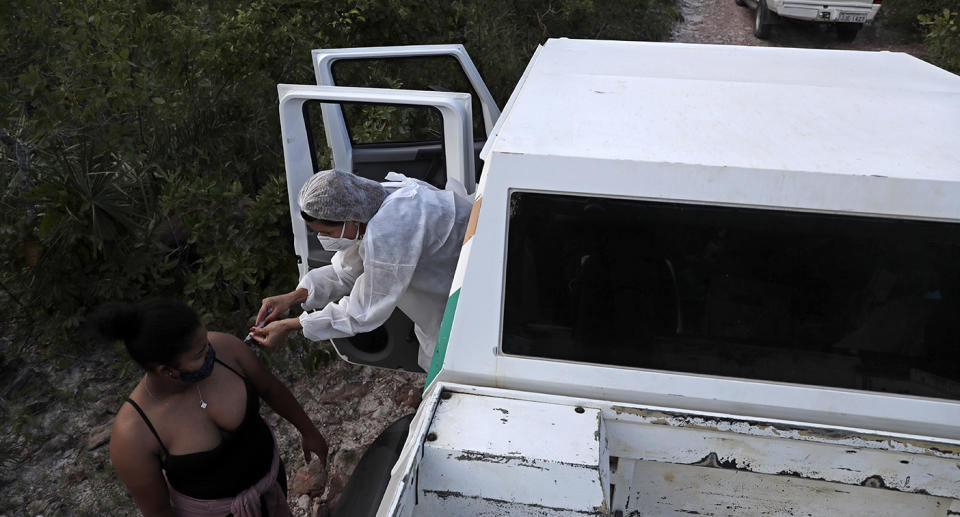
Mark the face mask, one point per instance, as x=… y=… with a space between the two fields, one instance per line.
x=203 y=372
x=338 y=243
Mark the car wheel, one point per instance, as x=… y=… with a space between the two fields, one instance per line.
x=847 y=32
x=741 y=3
x=761 y=21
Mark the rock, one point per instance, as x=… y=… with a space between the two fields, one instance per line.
x=303 y=502
x=409 y=397
x=341 y=467
x=349 y=392
x=99 y=435
x=311 y=480
x=107 y=405
x=29 y=450
x=37 y=507
x=57 y=443
x=76 y=477
x=368 y=405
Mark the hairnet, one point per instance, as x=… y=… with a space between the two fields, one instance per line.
x=336 y=195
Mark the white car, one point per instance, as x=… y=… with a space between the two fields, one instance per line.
x=848 y=15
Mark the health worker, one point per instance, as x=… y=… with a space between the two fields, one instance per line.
x=397 y=245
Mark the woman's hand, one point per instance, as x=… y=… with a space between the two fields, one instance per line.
x=273 y=307
x=314 y=442
x=272 y=335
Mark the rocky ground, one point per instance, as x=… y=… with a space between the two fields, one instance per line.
x=56 y=411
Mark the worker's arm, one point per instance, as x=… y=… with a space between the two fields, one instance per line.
x=134 y=453
x=272 y=391
x=391 y=253
x=374 y=297
x=318 y=287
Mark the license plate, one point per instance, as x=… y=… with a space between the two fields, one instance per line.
x=852 y=17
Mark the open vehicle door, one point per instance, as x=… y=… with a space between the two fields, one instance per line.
x=418 y=154
x=393 y=345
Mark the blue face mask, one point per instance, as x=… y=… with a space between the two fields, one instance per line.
x=203 y=372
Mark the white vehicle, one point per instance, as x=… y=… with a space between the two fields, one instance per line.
x=848 y=15
x=698 y=280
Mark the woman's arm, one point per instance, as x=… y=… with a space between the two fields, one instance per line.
x=137 y=463
x=274 y=393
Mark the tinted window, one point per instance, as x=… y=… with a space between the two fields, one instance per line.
x=853 y=302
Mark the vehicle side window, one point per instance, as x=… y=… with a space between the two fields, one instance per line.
x=378 y=124
x=851 y=302
x=320 y=152
x=393 y=126
x=381 y=124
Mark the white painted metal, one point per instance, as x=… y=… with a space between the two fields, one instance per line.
x=869 y=115
x=513 y=97
x=808 y=130
x=455 y=111
x=491 y=452
x=337 y=137
x=663 y=462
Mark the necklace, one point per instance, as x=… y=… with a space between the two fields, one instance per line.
x=146 y=385
x=203 y=404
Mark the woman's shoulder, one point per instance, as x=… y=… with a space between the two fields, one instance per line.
x=234 y=352
x=227 y=347
x=130 y=428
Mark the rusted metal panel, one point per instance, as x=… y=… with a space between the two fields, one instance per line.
x=489 y=451
x=893 y=463
x=825 y=461
x=447 y=504
x=824 y=434
x=664 y=489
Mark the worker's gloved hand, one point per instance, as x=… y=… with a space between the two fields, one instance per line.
x=273 y=307
x=274 y=333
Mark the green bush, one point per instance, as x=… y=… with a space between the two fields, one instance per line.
x=931 y=21
x=942 y=35
x=902 y=16
x=140 y=145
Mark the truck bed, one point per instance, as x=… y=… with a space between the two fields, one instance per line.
x=486 y=451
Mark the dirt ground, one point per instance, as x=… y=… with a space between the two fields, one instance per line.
x=56 y=412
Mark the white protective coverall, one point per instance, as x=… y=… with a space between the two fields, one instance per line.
x=406 y=259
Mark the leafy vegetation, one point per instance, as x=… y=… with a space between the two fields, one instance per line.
x=933 y=21
x=139 y=140
x=942 y=34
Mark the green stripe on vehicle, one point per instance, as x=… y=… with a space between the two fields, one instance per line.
x=441 y=349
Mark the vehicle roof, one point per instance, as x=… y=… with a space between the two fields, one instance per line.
x=883 y=114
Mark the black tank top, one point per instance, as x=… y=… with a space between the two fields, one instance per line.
x=242 y=458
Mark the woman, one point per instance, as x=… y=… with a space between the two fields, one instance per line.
x=189 y=441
